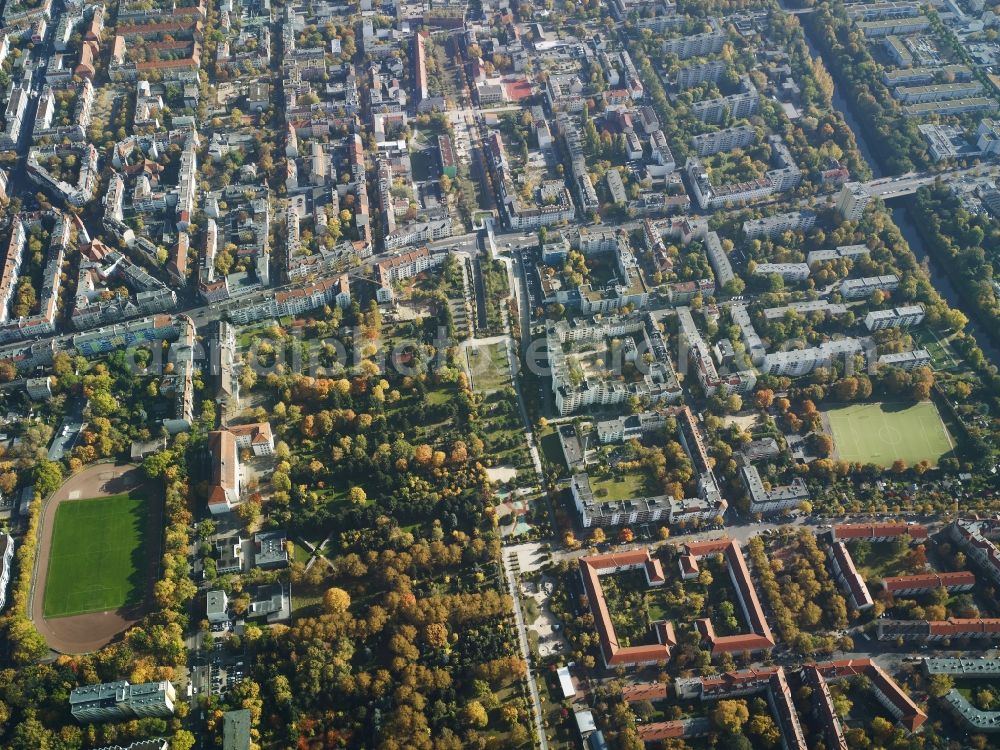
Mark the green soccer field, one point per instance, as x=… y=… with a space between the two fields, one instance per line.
x=881 y=433
x=98 y=560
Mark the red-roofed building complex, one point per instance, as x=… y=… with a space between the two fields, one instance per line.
x=823 y=709
x=224 y=489
x=961 y=580
x=877 y=532
x=759 y=638
x=256 y=437
x=980 y=551
x=847 y=576
x=956 y=628
x=614 y=654
x=769 y=680
x=892 y=697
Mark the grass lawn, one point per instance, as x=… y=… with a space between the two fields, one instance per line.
x=619 y=486
x=300 y=553
x=420 y=164
x=881 y=561
x=942 y=356
x=437 y=397
x=489 y=366
x=551 y=449
x=658 y=609
x=98 y=555
x=304 y=605
x=881 y=433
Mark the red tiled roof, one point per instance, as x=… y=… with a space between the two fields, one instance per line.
x=645 y=691
x=156 y=28
x=700 y=549
x=732 y=644
x=961 y=626
x=859 y=589
x=733 y=680
x=689 y=564
x=615 y=654
x=222 y=445
x=259 y=432
x=661 y=730
x=654 y=571
x=760 y=638
x=912 y=716
x=878 y=530
x=929 y=581
x=738 y=566
x=400 y=260
x=86 y=65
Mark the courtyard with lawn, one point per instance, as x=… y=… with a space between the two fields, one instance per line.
x=622 y=485
x=883 y=433
x=99 y=556
x=634 y=605
x=877 y=561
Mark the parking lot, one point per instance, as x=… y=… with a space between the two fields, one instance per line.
x=215 y=670
x=527 y=260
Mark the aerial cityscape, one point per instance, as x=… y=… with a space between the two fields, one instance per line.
x=608 y=374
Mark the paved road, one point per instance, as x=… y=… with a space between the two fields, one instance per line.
x=907 y=184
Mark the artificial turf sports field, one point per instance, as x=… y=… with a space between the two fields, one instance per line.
x=881 y=433
x=97 y=558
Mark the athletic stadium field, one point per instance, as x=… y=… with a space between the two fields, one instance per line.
x=882 y=433
x=98 y=557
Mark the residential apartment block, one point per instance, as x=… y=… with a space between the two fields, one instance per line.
x=952 y=106
x=846 y=574
x=573 y=388
x=694 y=75
x=852 y=200
x=696 y=45
x=789 y=272
x=906 y=360
x=877 y=532
x=853 y=252
x=937 y=92
x=766 y=501
x=614 y=653
x=912 y=585
x=852 y=289
x=981 y=552
x=897 y=317
x=759 y=637
x=898 y=26
x=739 y=105
x=721 y=141
x=797 y=362
x=110 y=701
x=778 y=224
